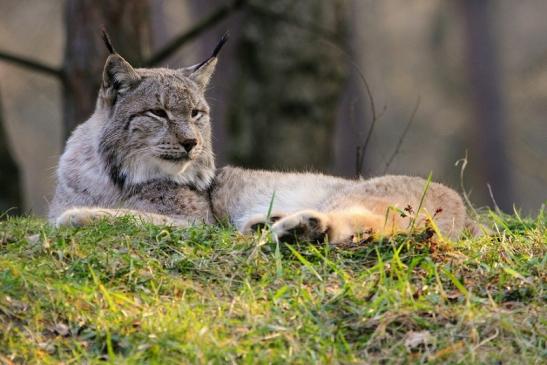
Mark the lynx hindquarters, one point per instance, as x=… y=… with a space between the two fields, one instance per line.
x=314 y=206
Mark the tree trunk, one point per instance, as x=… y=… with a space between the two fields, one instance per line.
x=284 y=100
x=489 y=124
x=10 y=193
x=127 y=22
x=223 y=80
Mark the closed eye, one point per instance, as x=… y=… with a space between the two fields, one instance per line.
x=159 y=113
x=196 y=113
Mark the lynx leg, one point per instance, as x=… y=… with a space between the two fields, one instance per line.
x=339 y=226
x=79 y=217
x=307 y=225
x=359 y=223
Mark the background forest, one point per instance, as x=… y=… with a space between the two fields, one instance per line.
x=342 y=86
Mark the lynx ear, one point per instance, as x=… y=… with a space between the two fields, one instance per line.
x=118 y=74
x=202 y=72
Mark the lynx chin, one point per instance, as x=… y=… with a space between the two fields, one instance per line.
x=146 y=151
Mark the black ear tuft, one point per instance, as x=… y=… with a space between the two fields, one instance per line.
x=108 y=42
x=220 y=44
x=216 y=51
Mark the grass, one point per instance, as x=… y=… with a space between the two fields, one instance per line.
x=127 y=293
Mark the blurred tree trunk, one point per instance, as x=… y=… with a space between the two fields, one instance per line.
x=489 y=124
x=10 y=194
x=223 y=81
x=284 y=100
x=128 y=23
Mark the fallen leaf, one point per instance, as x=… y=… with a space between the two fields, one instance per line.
x=414 y=340
x=61 y=329
x=453 y=294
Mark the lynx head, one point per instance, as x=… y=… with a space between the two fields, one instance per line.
x=156 y=122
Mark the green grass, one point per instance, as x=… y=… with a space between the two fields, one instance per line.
x=124 y=293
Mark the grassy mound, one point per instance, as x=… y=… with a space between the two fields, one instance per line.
x=124 y=293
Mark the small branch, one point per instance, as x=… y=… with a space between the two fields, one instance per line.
x=403 y=135
x=304 y=25
x=217 y=16
x=465 y=194
x=496 y=206
x=362 y=149
x=30 y=64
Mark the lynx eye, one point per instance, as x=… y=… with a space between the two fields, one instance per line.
x=159 y=113
x=196 y=113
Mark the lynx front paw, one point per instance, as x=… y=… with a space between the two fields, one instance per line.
x=307 y=225
x=79 y=217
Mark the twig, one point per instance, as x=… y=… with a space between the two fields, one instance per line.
x=463 y=161
x=361 y=150
x=31 y=64
x=496 y=206
x=486 y=340
x=218 y=15
x=403 y=135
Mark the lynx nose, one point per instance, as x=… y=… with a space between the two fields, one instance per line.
x=188 y=144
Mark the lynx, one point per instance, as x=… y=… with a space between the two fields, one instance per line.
x=146 y=151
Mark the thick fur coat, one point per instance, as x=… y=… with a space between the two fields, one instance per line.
x=146 y=151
